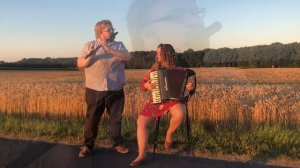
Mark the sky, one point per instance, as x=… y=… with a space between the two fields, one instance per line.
x=59 y=28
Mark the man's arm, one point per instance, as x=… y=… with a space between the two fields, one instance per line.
x=83 y=62
x=121 y=53
x=124 y=55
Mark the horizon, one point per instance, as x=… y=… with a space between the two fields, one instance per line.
x=154 y=50
x=25 y=33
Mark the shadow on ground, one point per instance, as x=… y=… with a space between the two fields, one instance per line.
x=23 y=153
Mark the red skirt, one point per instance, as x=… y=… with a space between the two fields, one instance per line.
x=156 y=110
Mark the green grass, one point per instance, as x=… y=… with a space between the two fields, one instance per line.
x=258 y=141
x=262 y=141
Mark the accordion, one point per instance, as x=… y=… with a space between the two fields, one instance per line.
x=171 y=84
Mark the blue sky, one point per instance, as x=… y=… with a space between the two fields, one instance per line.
x=59 y=28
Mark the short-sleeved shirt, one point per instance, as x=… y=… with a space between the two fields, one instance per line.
x=105 y=72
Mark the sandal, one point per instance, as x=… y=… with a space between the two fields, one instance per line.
x=135 y=163
x=168 y=145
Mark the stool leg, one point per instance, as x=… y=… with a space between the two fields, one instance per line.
x=188 y=130
x=155 y=137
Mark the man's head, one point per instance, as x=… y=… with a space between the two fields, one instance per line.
x=178 y=22
x=104 y=30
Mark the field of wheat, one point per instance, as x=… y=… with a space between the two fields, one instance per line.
x=224 y=95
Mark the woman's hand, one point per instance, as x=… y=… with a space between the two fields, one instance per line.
x=189 y=86
x=149 y=85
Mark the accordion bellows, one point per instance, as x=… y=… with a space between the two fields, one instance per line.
x=171 y=84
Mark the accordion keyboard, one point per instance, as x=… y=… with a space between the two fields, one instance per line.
x=156 y=97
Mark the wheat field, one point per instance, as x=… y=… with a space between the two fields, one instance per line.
x=224 y=95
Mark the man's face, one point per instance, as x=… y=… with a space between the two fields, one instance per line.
x=177 y=22
x=182 y=37
x=103 y=33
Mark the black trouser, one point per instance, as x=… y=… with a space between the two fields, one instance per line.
x=97 y=101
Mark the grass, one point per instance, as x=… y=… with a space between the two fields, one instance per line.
x=259 y=141
x=253 y=112
x=266 y=141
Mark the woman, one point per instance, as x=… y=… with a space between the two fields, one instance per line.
x=165 y=58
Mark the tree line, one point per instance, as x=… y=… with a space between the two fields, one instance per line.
x=261 y=56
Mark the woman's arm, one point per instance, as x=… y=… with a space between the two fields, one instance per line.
x=146 y=82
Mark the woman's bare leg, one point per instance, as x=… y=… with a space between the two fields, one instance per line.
x=142 y=135
x=177 y=113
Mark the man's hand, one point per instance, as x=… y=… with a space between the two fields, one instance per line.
x=122 y=55
x=91 y=51
x=104 y=45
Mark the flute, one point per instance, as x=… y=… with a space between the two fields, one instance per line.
x=97 y=48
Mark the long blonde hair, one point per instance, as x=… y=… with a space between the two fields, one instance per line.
x=168 y=56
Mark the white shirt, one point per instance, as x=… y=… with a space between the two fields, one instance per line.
x=105 y=72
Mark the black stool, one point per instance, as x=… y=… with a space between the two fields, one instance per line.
x=188 y=130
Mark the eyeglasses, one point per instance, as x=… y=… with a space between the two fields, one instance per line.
x=109 y=30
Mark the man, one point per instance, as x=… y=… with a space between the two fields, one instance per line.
x=103 y=60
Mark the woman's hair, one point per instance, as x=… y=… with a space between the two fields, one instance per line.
x=168 y=56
